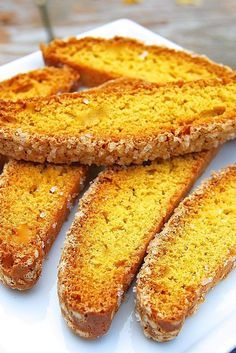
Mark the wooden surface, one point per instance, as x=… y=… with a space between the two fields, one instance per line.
x=205 y=26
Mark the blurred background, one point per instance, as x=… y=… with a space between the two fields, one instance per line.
x=204 y=26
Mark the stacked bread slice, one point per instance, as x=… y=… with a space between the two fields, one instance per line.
x=99 y=60
x=164 y=111
x=128 y=122
x=39 y=83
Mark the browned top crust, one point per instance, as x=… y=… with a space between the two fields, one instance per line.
x=39 y=83
x=99 y=60
x=124 y=122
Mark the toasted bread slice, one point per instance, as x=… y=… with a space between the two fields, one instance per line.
x=34 y=203
x=117 y=218
x=39 y=83
x=99 y=60
x=195 y=250
x=123 y=123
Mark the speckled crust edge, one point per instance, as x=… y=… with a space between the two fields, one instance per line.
x=88 y=150
x=165 y=329
x=92 y=77
x=92 y=324
x=21 y=268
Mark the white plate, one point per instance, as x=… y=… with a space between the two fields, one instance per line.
x=31 y=321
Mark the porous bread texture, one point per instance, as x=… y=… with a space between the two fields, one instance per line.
x=99 y=60
x=195 y=250
x=117 y=218
x=39 y=83
x=128 y=122
x=34 y=203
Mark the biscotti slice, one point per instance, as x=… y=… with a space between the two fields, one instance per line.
x=123 y=123
x=39 y=83
x=195 y=250
x=34 y=203
x=117 y=218
x=98 y=60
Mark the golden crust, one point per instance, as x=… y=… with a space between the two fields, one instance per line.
x=41 y=82
x=93 y=76
x=20 y=265
x=86 y=320
x=105 y=150
x=166 y=328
